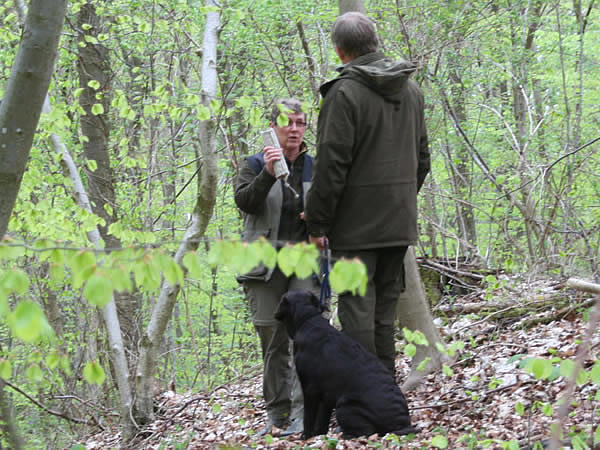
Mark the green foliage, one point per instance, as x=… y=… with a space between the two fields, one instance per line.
x=349 y=275
x=439 y=442
x=94 y=373
x=156 y=106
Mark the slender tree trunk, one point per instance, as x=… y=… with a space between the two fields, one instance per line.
x=413 y=313
x=351 y=5
x=21 y=105
x=109 y=312
x=207 y=193
x=7 y=421
x=20 y=111
x=94 y=78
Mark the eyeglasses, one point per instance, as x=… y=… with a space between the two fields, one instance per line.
x=291 y=123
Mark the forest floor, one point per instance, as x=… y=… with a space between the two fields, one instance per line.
x=486 y=398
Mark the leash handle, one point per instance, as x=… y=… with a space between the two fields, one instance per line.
x=325 y=269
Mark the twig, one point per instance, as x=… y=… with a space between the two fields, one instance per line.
x=513 y=386
x=51 y=411
x=485 y=319
x=582 y=353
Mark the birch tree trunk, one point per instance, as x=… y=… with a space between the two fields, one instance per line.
x=21 y=106
x=205 y=201
x=109 y=312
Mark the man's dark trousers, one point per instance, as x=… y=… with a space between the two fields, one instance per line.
x=370 y=319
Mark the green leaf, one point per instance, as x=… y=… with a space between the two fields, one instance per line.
x=170 y=268
x=65 y=365
x=97 y=109
x=246 y=257
x=547 y=409
x=203 y=113
x=94 y=84
x=308 y=260
x=567 y=367
x=582 y=378
x=512 y=445
x=5 y=369
x=540 y=368
x=423 y=364
x=287 y=259
x=92 y=164
x=191 y=261
x=11 y=251
x=27 y=320
x=447 y=370
x=53 y=360
x=595 y=373
x=520 y=408
x=94 y=373
x=410 y=350
x=349 y=275
x=220 y=252
x=268 y=252
x=34 y=373
x=120 y=278
x=439 y=442
x=90 y=39
x=83 y=265
x=14 y=280
x=282 y=120
x=98 y=290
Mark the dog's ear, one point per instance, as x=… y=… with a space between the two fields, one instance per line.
x=283 y=308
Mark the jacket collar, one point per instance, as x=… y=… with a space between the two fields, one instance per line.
x=363 y=59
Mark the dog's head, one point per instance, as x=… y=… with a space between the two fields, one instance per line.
x=295 y=308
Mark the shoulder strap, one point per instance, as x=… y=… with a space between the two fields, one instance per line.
x=257 y=162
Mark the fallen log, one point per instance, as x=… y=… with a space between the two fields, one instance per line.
x=582 y=285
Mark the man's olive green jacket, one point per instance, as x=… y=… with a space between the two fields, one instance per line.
x=372 y=156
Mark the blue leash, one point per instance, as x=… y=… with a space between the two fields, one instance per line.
x=325 y=267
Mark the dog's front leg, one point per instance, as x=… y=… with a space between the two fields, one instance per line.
x=323 y=417
x=311 y=408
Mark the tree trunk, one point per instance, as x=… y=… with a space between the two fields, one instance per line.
x=7 y=422
x=109 y=312
x=21 y=105
x=413 y=313
x=94 y=78
x=351 y=5
x=207 y=194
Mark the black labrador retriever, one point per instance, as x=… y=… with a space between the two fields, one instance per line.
x=337 y=372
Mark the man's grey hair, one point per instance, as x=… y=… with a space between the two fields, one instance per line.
x=284 y=106
x=355 y=34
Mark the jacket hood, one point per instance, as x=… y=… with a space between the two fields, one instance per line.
x=381 y=74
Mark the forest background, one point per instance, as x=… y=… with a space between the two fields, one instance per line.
x=154 y=104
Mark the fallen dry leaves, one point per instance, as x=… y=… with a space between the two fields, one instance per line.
x=478 y=402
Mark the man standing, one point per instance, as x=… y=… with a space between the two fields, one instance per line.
x=372 y=159
x=273 y=210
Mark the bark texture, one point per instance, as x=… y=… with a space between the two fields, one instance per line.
x=21 y=106
x=206 y=198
